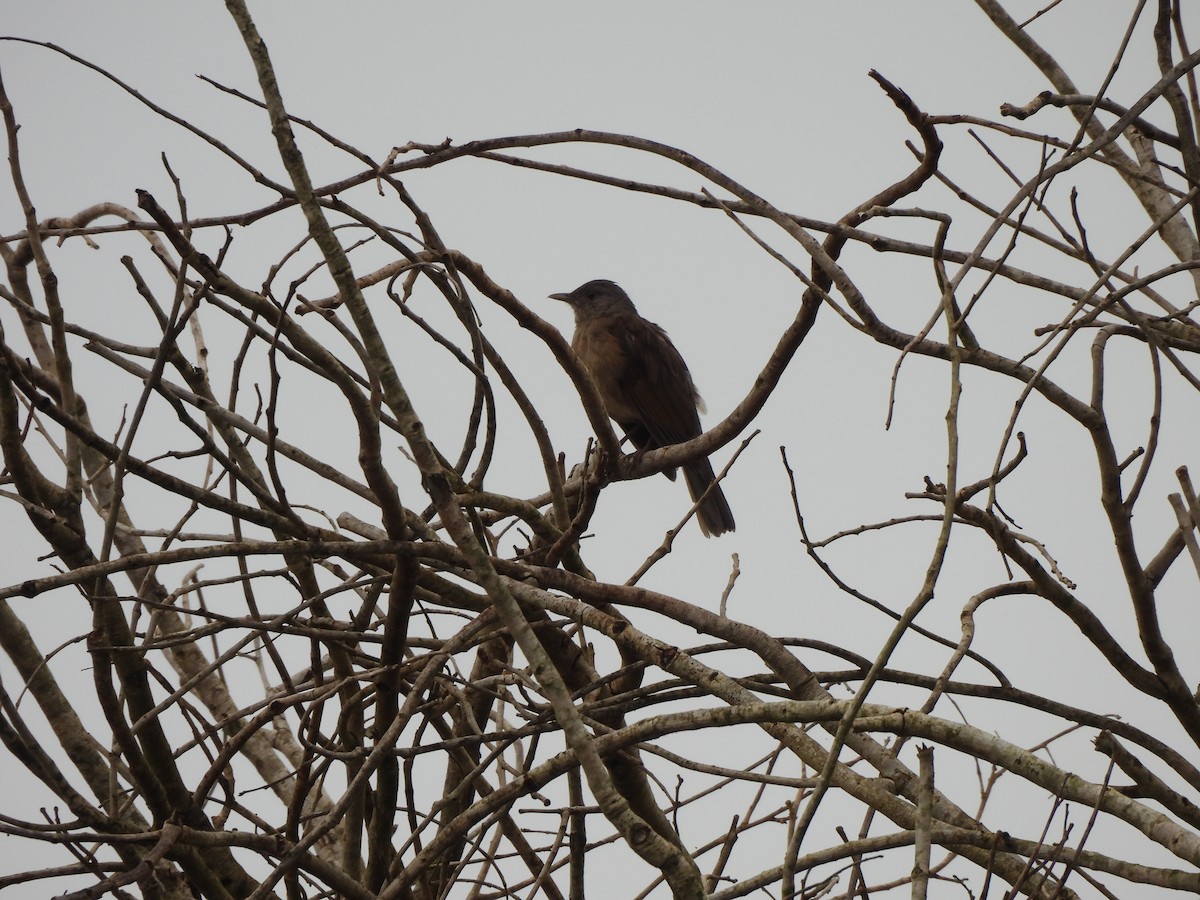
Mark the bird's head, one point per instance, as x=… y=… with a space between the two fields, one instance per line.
x=595 y=299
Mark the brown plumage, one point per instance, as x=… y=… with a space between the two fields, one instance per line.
x=645 y=385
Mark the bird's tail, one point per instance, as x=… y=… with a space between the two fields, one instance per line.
x=714 y=513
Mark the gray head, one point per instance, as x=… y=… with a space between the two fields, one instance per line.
x=595 y=299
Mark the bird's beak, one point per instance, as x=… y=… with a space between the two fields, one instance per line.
x=566 y=298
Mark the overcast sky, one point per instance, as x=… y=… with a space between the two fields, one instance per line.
x=778 y=96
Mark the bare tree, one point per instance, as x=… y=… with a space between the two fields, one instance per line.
x=449 y=701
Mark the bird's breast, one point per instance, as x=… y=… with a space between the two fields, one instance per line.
x=597 y=344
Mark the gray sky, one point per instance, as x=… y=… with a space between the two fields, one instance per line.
x=776 y=95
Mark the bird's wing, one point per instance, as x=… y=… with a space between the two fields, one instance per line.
x=656 y=383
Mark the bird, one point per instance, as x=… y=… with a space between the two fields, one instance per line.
x=645 y=385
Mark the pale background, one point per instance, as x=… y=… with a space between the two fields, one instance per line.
x=777 y=96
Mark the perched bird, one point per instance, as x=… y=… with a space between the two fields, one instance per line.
x=645 y=385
